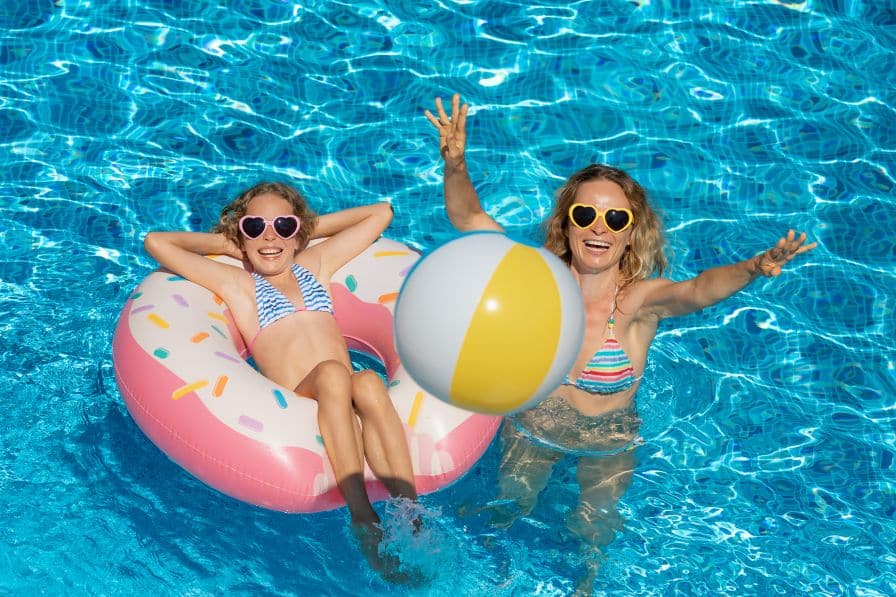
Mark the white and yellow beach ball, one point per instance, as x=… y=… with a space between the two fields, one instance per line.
x=489 y=324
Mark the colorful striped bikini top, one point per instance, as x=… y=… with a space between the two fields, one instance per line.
x=609 y=370
x=273 y=305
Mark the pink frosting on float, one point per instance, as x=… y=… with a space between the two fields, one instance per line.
x=366 y=326
x=278 y=478
x=235 y=464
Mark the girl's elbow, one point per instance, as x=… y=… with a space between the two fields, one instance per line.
x=150 y=241
x=154 y=243
x=385 y=213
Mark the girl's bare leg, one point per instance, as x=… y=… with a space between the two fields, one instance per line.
x=385 y=443
x=329 y=383
x=359 y=438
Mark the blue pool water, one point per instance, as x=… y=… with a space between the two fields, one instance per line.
x=768 y=463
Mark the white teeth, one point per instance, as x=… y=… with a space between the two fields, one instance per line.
x=270 y=251
x=596 y=244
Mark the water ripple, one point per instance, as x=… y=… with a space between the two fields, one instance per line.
x=768 y=419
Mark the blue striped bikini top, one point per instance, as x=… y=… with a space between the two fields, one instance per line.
x=274 y=306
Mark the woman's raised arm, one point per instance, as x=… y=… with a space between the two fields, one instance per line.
x=461 y=200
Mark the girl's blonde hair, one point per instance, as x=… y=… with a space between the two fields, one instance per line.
x=228 y=224
x=644 y=257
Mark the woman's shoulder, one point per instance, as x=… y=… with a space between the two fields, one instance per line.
x=633 y=297
x=641 y=288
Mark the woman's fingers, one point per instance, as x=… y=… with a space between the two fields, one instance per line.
x=805 y=248
x=460 y=121
x=430 y=117
x=787 y=247
x=458 y=118
x=443 y=117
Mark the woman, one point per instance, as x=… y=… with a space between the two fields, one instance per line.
x=603 y=228
x=281 y=305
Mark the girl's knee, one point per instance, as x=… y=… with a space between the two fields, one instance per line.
x=367 y=382
x=333 y=381
x=332 y=372
x=369 y=393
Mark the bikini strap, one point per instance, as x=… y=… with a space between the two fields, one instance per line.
x=611 y=321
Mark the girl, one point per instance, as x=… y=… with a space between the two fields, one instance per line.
x=281 y=304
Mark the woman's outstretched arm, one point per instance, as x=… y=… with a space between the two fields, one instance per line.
x=669 y=299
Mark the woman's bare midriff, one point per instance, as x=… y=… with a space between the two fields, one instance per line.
x=593 y=405
x=574 y=420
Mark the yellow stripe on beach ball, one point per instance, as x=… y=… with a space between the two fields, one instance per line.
x=508 y=349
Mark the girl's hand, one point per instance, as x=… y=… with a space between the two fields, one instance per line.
x=452 y=130
x=769 y=264
x=231 y=249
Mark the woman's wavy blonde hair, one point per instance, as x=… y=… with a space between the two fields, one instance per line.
x=228 y=224
x=644 y=257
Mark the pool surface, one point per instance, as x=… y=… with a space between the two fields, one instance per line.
x=768 y=420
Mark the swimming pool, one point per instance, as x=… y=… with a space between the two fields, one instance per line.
x=768 y=465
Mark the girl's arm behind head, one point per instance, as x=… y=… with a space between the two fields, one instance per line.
x=351 y=231
x=184 y=253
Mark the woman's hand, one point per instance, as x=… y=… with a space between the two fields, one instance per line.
x=452 y=130
x=769 y=264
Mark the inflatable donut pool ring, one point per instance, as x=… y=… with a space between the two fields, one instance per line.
x=181 y=367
